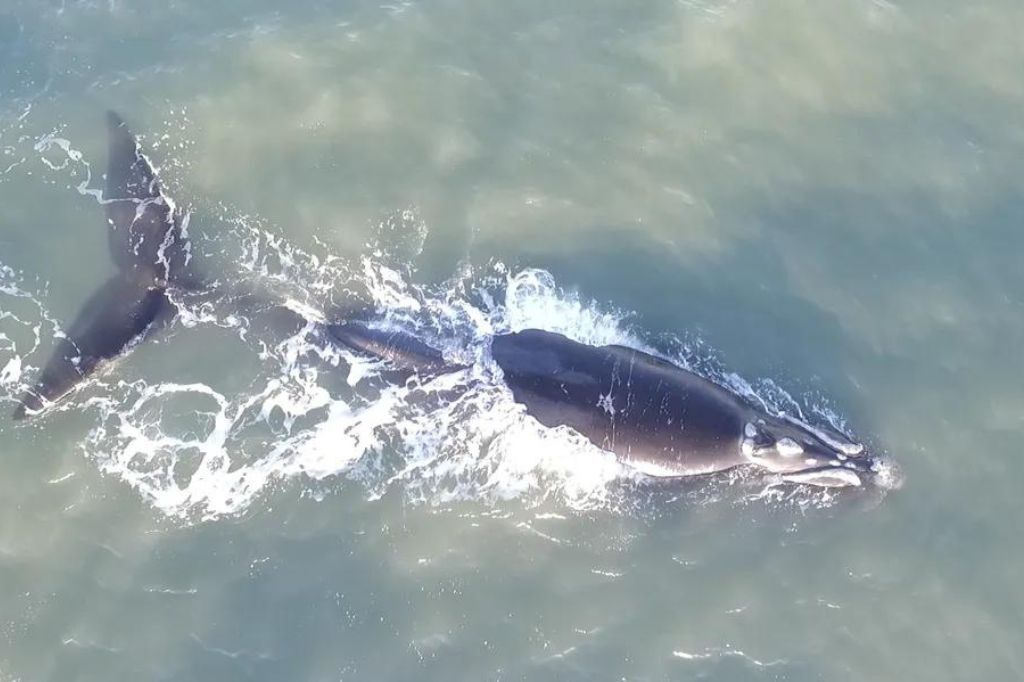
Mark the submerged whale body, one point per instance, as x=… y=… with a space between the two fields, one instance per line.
x=655 y=416
x=146 y=245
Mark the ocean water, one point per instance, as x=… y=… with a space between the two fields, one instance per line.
x=820 y=205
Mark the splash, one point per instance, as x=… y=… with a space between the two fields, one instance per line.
x=440 y=440
x=27 y=330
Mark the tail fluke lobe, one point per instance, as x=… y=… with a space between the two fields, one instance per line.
x=129 y=174
x=145 y=232
x=114 y=316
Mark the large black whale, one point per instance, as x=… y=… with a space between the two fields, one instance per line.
x=655 y=416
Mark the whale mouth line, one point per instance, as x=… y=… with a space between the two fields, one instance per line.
x=826 y=477
x=875 y=472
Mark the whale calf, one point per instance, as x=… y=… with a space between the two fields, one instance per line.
x=148 y=248
x=656 y=417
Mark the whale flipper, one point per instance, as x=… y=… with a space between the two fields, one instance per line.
x=114 y=316
x=145 y=230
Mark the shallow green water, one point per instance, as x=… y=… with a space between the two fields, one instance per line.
x=825 y=198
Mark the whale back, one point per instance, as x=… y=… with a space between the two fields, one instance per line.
x=651 y=413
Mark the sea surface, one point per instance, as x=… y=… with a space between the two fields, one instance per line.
x=817 y=204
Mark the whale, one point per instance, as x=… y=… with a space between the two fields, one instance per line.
x=148 y=249
x=655 y=416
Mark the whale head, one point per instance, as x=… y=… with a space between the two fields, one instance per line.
x=801 y=453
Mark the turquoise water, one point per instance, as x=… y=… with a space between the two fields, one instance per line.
x=817 y=203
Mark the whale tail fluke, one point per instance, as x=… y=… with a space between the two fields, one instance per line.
x=149 y=251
